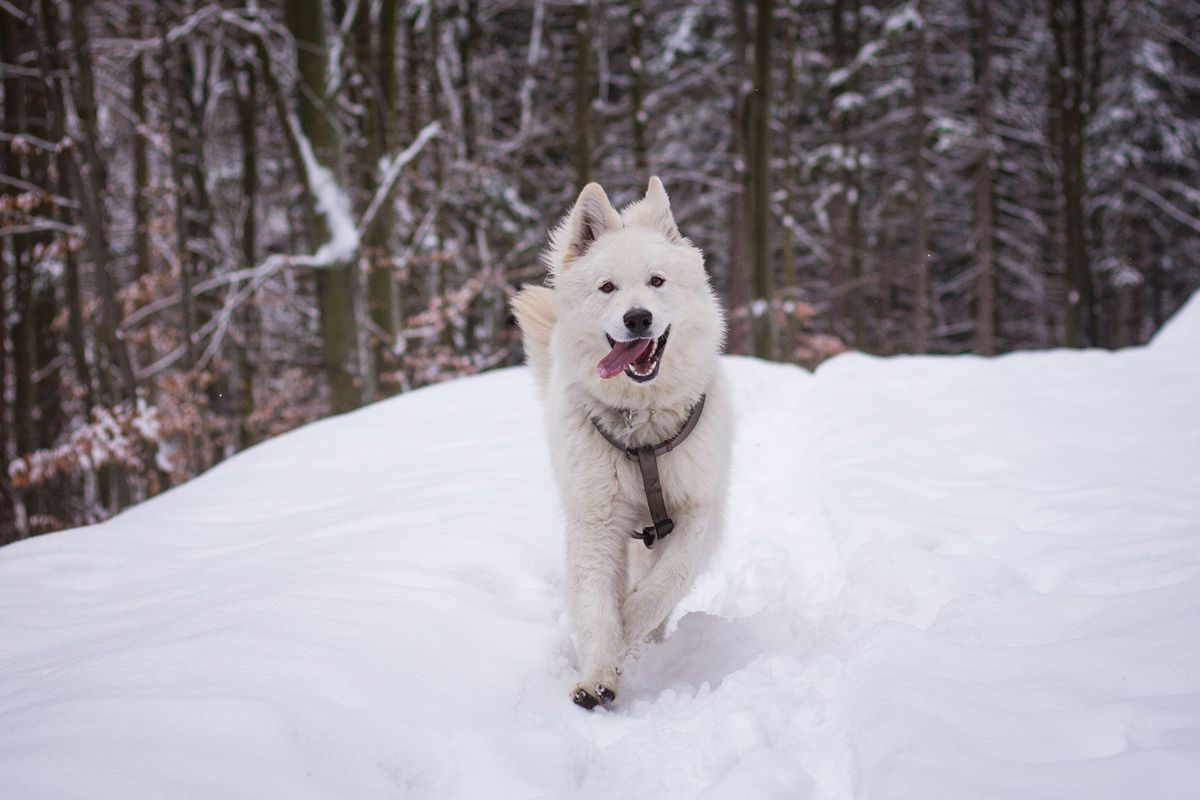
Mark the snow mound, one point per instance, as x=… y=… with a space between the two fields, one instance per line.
x=942 y=577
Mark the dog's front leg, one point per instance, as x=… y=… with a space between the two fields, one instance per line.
x=596 y=571
x=651 y=601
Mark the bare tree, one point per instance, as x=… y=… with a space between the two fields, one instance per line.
x=583 y=92
x=985 y=311
x=1068 y=25
x=920 y=249
x=307 y=23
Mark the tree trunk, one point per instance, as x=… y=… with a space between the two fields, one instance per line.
x=8 y=500
x=90 y=181
x=305 y=20
x=883 y=252
x=760 y=122
x=481 y=313
x=412 y=78
x=246 y=83
x=790 y=182
x=389 y=28
x=382 y=305
x=23 y=350
x=414 y=296
x=51 y=64
x=786 y=338
x=17 y=119
x=1069 y=31
x=857 y=286
x=985 y=286
x=920 y=257
x=175 y=82
x=141 y=160
x=887 y=283
x=637 y=88
x=583 y=93
x=467 y=45
x=736 y=283
x=837 y=204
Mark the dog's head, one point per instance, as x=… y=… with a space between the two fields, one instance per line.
x=636 y=320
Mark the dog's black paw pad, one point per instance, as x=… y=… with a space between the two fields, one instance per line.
x=582 y=699
x=605 y=694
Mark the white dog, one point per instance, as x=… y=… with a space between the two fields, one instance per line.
x=625 y=351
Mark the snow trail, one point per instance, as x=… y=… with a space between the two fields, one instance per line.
x=942 y=577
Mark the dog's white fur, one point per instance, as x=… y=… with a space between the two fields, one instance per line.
x=620 y=592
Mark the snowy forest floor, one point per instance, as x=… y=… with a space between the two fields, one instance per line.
x=942 y=577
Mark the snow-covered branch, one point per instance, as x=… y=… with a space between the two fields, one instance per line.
x=392 y=173
x=1167 y=207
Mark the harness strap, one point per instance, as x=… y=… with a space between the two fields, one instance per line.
x=666 y=446
x=657 y=504
x=646 y=457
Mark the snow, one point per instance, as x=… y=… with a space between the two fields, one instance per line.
x=906 y=19
x=848 y=101
x=943 y=578
x=896 y=87
x=333 y=204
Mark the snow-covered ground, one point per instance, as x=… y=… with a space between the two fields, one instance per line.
x=943 y=577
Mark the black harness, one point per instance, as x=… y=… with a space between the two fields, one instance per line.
x=646 y=457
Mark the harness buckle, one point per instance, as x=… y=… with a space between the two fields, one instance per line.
x=652 y=533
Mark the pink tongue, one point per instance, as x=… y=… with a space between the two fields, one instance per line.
x=622 y=355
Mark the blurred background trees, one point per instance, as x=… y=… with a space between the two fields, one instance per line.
x=220 y=220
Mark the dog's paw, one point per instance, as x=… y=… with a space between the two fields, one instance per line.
x=589 y=695
x=584 y=699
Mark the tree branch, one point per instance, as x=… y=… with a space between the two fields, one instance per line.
x=392 y=174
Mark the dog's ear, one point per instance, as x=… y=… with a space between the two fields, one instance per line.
x=592 y=217
x=654 y=211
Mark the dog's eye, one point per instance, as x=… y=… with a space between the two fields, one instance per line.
x=607 y=287
x=657 y=281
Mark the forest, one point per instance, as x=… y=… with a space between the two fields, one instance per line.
x=222 y=220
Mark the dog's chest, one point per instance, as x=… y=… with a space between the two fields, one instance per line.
x=677 y=469
x=637 y=427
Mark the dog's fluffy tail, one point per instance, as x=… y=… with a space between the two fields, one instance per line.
x=534 y=309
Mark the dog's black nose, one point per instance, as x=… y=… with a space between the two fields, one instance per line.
x=638 y=320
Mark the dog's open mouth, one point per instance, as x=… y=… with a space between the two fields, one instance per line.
x=637 y=358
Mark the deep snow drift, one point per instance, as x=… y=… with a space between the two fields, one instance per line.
x=942 y=577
